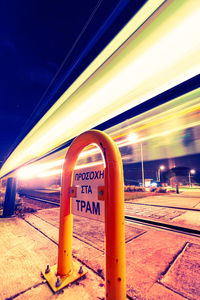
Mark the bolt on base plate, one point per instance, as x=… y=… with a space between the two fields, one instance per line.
x=75 y=274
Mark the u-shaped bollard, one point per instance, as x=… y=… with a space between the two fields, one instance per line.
x=114 y=218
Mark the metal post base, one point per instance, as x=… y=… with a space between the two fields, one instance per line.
x=59 y=282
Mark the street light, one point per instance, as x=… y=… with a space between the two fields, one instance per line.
x=133 y=137
x=161 y=168
x=192 y=171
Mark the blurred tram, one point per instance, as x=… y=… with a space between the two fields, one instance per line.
x=166 y=132
x=143 y=90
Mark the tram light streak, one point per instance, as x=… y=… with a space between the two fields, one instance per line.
x=169 y=54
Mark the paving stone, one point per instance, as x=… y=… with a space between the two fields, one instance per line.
x=24 y=253
x=148 y=257
x=183 y=276
x=92 y=231
x=160 y=292
x=51 y=215
x=92 y=287
x=189 y=219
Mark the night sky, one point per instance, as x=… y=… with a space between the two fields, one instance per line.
x=44 y=46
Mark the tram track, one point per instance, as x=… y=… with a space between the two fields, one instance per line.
x=165 y=206
x=141 y=220
x=56 y=203
x=42 y=200
x=162 y=225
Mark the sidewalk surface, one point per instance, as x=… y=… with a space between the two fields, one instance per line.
x=160 y=264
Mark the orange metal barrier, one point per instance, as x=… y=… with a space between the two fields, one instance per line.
x=114 y=216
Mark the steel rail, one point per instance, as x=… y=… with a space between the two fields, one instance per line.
x=158 y=205
x=148 y=222
x=42 y=200
x=126 y=202
x=161 y=225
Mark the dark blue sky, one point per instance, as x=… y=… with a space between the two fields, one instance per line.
x=35 y=39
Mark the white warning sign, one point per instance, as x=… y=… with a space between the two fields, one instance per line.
x=85 y=201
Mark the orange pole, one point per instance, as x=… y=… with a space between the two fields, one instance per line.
x=114 y=212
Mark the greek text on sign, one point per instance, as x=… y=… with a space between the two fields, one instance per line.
x=85 y=200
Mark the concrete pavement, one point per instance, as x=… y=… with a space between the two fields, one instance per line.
x=160 y=264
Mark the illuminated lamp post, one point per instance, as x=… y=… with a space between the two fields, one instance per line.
x=192 y=171
x=161 y=168
x=133 y=138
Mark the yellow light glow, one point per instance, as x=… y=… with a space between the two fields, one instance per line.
x=141 y=62
x=170 y=111
x=59 y=171
x=158 y=57
x=127 y=141
x=93 y=164
x=133 y=138
x=35 y=170
x=192 y=171
x=50 y=173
